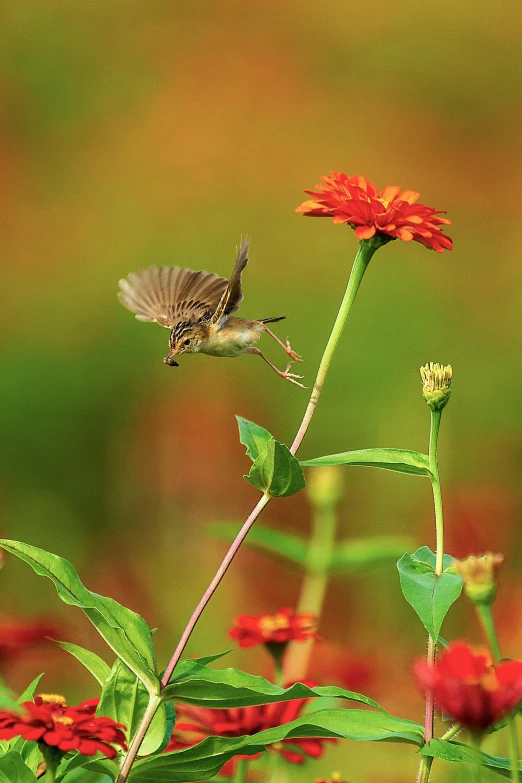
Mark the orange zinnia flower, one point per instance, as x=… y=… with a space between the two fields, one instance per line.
x=357 y=201
x=466 y=685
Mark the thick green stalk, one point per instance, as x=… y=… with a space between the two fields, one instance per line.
x=320 y=550
x=488 y=626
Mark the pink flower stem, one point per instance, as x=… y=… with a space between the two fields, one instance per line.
x=366 y=250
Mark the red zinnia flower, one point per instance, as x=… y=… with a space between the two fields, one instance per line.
x=357 y=201
x=48 y=720
x=466 y=685
x=17 y=635
x=197 y=723
x=279 y=628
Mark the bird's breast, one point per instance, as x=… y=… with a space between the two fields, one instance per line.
x=235 y=337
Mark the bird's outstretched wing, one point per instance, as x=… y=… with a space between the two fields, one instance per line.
x=233 y=294
x=169 y=294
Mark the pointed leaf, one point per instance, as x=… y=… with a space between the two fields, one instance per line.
x=357 y=554
x=28 y=694
x=92 y=662
x=201 y=686
x=204 y=760
x=457 y=752
x=7 y=699
x=100 y=765
x=284 y=545
x=254 y=437
x=276 y=471
x=401 y=460
x=13 y=769
x=430 y=595
x=124 y=698
x=124 y=631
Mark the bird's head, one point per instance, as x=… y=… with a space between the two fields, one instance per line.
x=185 y=337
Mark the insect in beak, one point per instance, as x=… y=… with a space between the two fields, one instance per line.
x=169 y=360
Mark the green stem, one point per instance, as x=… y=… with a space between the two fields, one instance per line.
x=426 y=761
x=313 y=591
x=240 y=771
x=437 y=496
x=488 y=626
x=52 y=758
x=366 y=250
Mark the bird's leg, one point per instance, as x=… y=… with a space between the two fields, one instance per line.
x=286 y=374
x=286 y=348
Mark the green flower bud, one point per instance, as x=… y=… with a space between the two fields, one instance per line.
x=479 y=575
x=436 y=384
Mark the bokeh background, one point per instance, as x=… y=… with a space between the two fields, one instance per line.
x=136 y=133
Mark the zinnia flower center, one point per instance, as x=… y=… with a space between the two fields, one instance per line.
x=53 y=698
x=269 y=624
x=63 y=719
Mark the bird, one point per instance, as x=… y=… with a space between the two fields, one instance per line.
x=196 y=307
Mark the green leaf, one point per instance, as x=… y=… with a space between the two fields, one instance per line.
x=284 y=545
x=204 y=760
x=430 y=595
x=97 y=667
x=201 y=686
x=13 y=769
x=276 y=471
x=99 y=765
x=28 y=694
x=356 y=554
x=7 y=699
x=206 y=659
x=124 y=698
x=254 y=437
x=401 y=460
x=124 y=631
x=457 y=752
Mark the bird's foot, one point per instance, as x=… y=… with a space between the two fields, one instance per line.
x=291 y=353
x=289 y=376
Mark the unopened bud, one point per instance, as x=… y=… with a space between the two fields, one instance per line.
x=436 y=384
x=479 y=576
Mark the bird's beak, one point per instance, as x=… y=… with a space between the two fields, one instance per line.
x=169 y=360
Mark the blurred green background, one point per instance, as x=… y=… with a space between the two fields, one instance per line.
x=137 y=133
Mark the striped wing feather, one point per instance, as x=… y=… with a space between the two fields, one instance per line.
x=169 y=294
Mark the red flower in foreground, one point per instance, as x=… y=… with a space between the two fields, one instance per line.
x=357 y=201
x=18 y=635
x=197 y=723
x=49 y=721
x=279 y=628
x=466 y=685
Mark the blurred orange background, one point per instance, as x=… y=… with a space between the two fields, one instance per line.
x=158 y=132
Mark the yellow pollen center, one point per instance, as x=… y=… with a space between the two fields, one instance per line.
x=53 y=698
x=63 y=719
x=276 y=622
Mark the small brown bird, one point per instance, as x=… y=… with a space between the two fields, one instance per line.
x=196 y=306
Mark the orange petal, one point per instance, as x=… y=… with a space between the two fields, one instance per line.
x=307 y=205
x=411 y=196
x=404 y=234
x=364 y=232
x=389 y=193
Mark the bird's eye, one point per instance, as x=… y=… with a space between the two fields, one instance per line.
x=186 y=342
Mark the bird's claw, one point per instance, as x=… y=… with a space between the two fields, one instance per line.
x=290 y=376
x=291 y=353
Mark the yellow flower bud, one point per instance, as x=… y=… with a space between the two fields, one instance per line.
x=479 y=575
x=325 y=485
x=436 y=384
